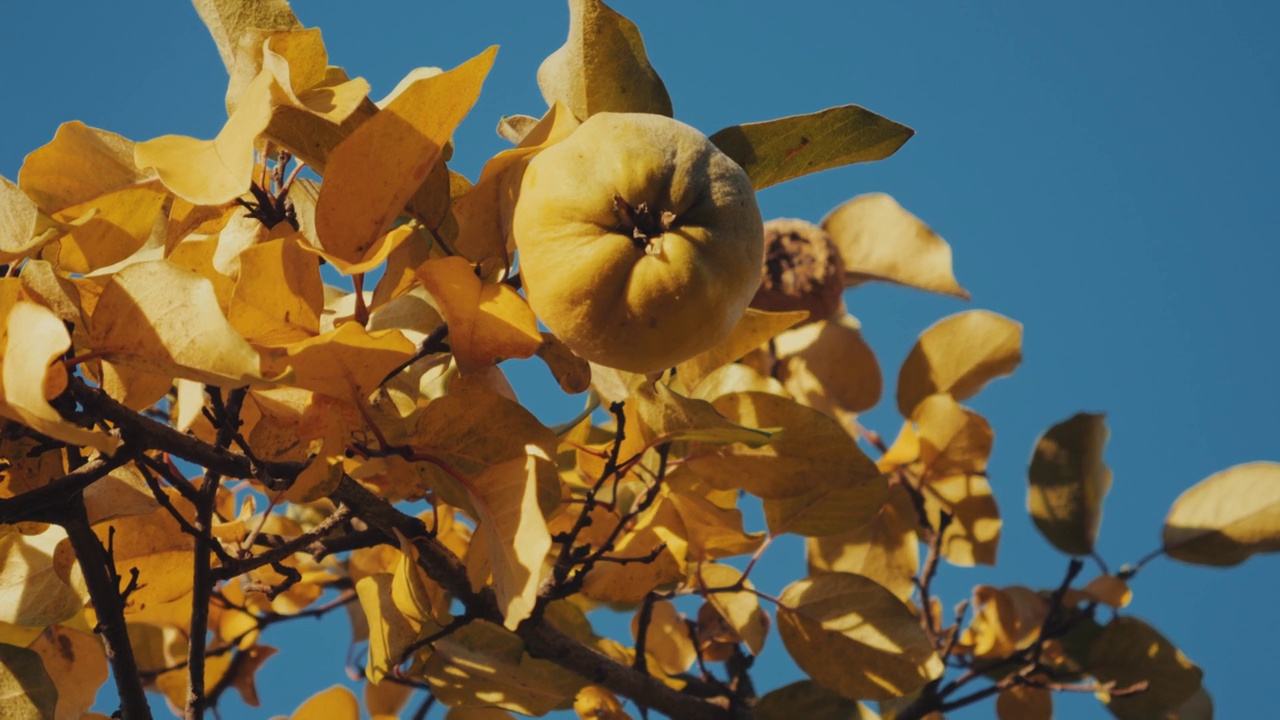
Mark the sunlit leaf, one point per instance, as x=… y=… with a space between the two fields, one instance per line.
x=347 y=362
x=886 y=549
x=775 y=151
x=881 y=241
x=279 y=294
x=754 y=329
x=809 y=700
x=602 y=67
x=1004 y=621
x=34 y=340
x=217 y=171
x=488 y=321
x=156 y=545
x=598 y=703
x=666 y=638
x=31 y=592
x=109 y=228
x=668 y=416
x=80 y=163
x=811 y=451
x=656 y=532
x=959 y=355
x=828 y=366
x=1226 y=517
x=373 y=172
x=855 y=637
x=335 y=703
x=228 y=20
x=973 y=536
x=22 y=227
x=166 y=320
x=1129 y=652
x=741 y=609
x=712 y=532
x=390 y=631
x=26 y=690
x=953 y=440
x=1069 y=481
x=505 y=497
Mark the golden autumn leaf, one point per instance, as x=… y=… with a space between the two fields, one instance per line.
x=386 y=698
x=34 y=339
x=602 y=67
x=879 y=240
x=973 y=536
x=754 y=329
x=173 y=684
x=304 y=79
x=667 y=638
x=813 y=451
x=1068 y=482
x=217 y=171
x=827 y=365
x=959 y=355
x=482 y=664
x=886 y=549
x=598 y=703
x=778 y=150
x=79 y=164
x=740 y=609
x=346 y=363
x=668 y=416
x=108 y=229
x=335 y=703
x=156 y=545
x=23 y=228
x=809 y=700
x=1226 y=517
x=374 y=171
x=26 y=690
x=228 y=20
x=279 y=294
x=712 y=532
x=391 y=632
x=505 y=497
x=1005 y=620
x=161 y=318
x=656 y=531
x=415 y=595
x=31 y=592
x=1129 y=651
x=855 y=637
x=953 y=440
x=488 y=321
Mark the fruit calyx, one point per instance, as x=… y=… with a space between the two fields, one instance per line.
x=647 y=225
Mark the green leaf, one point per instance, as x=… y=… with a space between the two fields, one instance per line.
x=26 y=691
x=855 y=637
x=1068 y=483
x=1128 y=652
x=775 y=151
x=809 y=700
x=1227 y=517
x=602 y=66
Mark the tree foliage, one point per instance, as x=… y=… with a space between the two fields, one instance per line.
x=202 y=438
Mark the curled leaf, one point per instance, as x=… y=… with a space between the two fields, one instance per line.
x=1226 y=517
x=959 y=355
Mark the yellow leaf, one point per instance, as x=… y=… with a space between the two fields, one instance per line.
x=108 y=228
x=570 y=371
x=483 y=212
x=775 y=151
x=160 y=318
x=279 y=294
x=1024 y=702
x=1068 y=482
x=881 y=241
x=390 y=631
x=598 y=703
x=336 y=703
x=974 y=533
x=953 y=440
x=505 y=498
x=34 y=341
x=1005 y=620
x=809 y=700
x=668 y=416
x=228 y=20
x=305 y=81
x=855 y=637
x=416 y=596
x=959 y=355
x=386 y=698
x=173 y=684
x=488 y=322
x=217 y=171
x=736 y=377
x=79 y=164
x=156 y=545
x=713 y=532
x=828 y=366
x=1226 y=517
x=602 y=67
x=666 y=639
x=483 y=665
x=1128 y=651
x=374 y=171
x=627 y=584
x=346 y=363
x=23 y=229
x=740 y=609
x=754 y=329
x=886 y=549
x=135 y=389
x=811 y=451
x=26 y=691
x=1109 y=590
x=31 y=592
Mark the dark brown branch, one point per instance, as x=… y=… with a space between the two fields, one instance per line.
x=104 y=590
x=233 y=567
x=48 y=503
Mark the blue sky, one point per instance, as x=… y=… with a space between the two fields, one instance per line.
x=1106 y=173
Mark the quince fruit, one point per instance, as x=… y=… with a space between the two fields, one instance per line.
x=640 y=243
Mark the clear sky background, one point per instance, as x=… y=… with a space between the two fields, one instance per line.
x=1106 y=173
